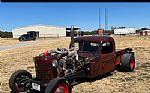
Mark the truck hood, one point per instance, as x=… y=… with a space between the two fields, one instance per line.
x=46 y=59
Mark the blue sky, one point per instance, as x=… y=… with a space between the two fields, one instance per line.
x=84 y=15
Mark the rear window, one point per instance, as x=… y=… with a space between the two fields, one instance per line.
x=87 y=46
x=107 y=47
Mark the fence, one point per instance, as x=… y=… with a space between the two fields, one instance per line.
x=49 y=36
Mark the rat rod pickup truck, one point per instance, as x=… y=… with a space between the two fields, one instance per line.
x=56 y=70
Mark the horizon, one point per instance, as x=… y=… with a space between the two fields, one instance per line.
x=84 y=15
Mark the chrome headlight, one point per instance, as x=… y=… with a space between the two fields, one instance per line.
x=54 y=63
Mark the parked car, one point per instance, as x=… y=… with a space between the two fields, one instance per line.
x=26 y=37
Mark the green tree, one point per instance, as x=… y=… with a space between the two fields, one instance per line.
x=6 y=34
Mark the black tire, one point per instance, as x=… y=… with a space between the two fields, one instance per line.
x=127 y=62
x=23 y=39
x=53 y=84
x=34 y=39
x=14 y=82
x=20 y=39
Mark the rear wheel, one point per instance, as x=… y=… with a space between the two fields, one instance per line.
x=127 y=62
x=23 y=39
x=34 y=39
x=17 y=80
x=58 y=85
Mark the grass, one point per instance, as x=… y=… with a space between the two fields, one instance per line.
x=131 y=82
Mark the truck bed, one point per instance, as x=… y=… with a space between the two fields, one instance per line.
x=122 y=51
x=119 y=53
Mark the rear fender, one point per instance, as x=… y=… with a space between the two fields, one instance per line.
x=118 y=58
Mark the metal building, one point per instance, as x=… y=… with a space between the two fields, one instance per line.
x=124 y=31
x=40 y=31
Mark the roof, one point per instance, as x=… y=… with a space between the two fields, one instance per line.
x=39 y=25
x=146 y=30
x=126 y=28
x=75 y=28
x=94 y=38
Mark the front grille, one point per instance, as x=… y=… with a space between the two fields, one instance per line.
x=44 y=72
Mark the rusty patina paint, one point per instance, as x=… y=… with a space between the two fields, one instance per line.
x=94 y=39
x=105 y=62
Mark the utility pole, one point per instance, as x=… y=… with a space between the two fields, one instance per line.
x=99 y=18
x=72 y=37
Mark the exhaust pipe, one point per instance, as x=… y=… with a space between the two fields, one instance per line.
x=71 y=46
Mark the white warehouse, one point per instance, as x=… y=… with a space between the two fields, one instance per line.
x=124 y=30
x=39 y=31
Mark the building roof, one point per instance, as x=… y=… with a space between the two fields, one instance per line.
x=125 y=28
x=40 y=25
x=75 y=28
x=146 y=30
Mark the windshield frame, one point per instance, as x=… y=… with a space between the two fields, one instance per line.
x=83 y=42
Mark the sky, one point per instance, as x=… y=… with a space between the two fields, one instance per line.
x=80 y=14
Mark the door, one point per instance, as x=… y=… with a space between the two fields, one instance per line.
x=107 y=56
x=33 y=33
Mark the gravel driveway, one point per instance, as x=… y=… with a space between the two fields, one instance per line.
x=25 y=43
x=22 y=44
x=8 y=47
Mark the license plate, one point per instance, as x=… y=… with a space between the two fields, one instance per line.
x=36 y=86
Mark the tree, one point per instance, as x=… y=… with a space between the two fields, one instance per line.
x=6 y=34
x=143 y=28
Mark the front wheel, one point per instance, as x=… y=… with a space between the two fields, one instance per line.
x=58 y=85
x=17 y=80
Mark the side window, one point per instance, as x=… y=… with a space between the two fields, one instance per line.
x=107 y=47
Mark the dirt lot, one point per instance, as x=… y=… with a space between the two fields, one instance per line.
x=4 y=41
x=131 y=82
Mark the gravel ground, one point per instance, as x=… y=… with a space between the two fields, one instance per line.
x=137 y=81
x=20 y=44
x=8 y=47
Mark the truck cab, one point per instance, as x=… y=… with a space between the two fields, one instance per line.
x=101 y=52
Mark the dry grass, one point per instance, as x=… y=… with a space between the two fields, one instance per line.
x=134 y=82
x=8 y=42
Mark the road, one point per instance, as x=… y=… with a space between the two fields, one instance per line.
x=22 y=44
x=8 y=47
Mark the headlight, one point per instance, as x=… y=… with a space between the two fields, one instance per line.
x=87 y=60
x=54 y=63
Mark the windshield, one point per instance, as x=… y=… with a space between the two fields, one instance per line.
x=25 y=35
x=87 y=46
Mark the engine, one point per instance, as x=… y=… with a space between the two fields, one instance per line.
x=58 y=63
x=68 y=62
